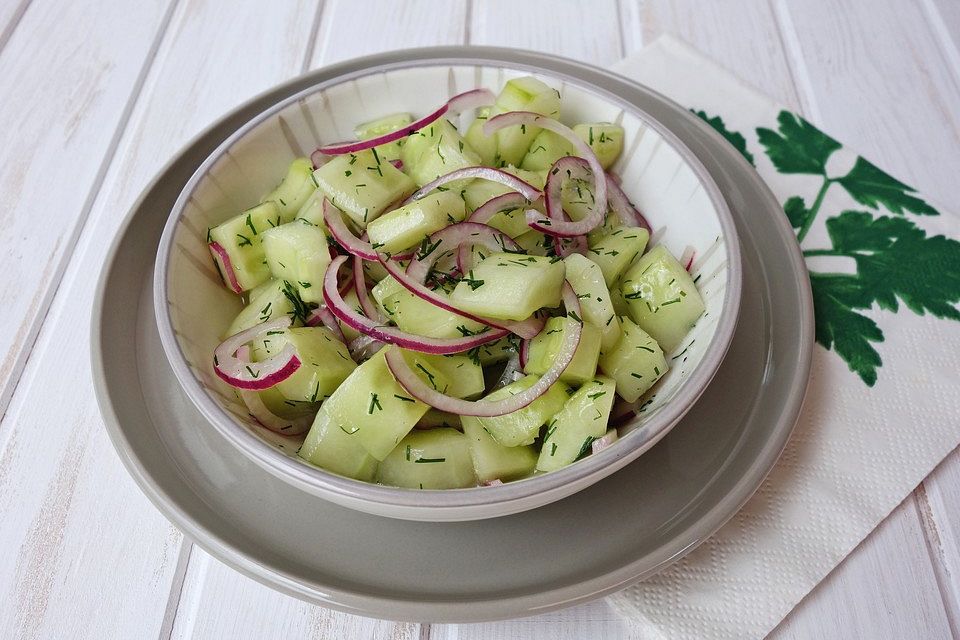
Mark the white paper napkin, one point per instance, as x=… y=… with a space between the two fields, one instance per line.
x=883 y=407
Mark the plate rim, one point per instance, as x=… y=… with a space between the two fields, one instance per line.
x=452 y=611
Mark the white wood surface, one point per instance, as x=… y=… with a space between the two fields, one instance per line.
x=86 y=555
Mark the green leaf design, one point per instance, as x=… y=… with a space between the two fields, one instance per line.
x=736 y=139
x=872 y=187
x=842 y=329
x=897 y=261
x=799 y=147
x=796 y=210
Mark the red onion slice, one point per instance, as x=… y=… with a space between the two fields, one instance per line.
x=496 y=204
x=524 y=354
x=410 y=381
x=602 y=443
x=496 y=482
x=387 y=333
x=523 y=187
x=535 y=220
x=458 y=103
x=686 y=258
x=524 y=328
x=264 y=417
x=333 y=218
x=360 y=286
x=621 y=205
x=322 y=315
x=397 y=164
x=363 y=347
x=255 y=376
x=222 y=258
x=450 y=238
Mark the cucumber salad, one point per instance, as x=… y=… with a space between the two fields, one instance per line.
x=439 y=308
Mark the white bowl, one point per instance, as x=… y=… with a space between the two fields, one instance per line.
x=660 y=175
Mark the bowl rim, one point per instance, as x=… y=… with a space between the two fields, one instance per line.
x=513 y=496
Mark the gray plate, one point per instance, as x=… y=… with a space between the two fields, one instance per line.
x=624 y=528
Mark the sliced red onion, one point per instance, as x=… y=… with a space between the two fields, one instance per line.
x=621 y=205
x=387 y=333
x=686 y=258
x=322 y=315
x=496 y=204
x=333 y=218
x=602 y=443
x=512 y=372
x=256 y=376
x=454 y=236
x=564 y=169
x=363 y=347
x=410 y=381
x=496 y=482
x=360 y=286
x=493 y=239
x=461 y=102
x=398 y=164
x=524 y=328
x=554 y=227
x=318 y=159
x=264 y=417
x=524 y=354
x=222 y=258
x=522 y=187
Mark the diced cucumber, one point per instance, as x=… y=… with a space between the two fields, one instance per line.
x=522 y=427
x=604 y=138
x=432 y=459
x=381 y=126
x=312 y=210
x=436 y=418
x=479 y=191
x=662 y=297
x=577 y=198
x=523 y=94
x=293 y=191
x=351 y=299
x=545 y=346
x=620 y=306
x=582 y=420
x=510 y=286
x=324 y=363
x=534 y=242
x=407 y=226
x=242 y=238
x=363 y=185
x=498 y=351
x=415 y=315
x=373 y=406
x=332 y=447
x=617 y=250
x=288 y=409
x=635 y=363
x=587 y=281
x=464 y=375
x=298 y=253
x=437 y=150
x=268 y=301
x=492 y=460
x=545 y=149
x=485 y=146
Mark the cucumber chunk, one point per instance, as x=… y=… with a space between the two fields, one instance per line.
x=510 y=286
x=373 y=406
x=604 y=138
x=534 y=242
x=407 y=226
x=332 y=447
x=479 y=191
x=617 y=250
x=324 y=362
x=582 y=420
x=464 y=375
x=242 y=238
x=545 y=346
x=351 y=299
x=635 y=363
x=363 y=185
x=492 y=460
x=293 y=190
x=545 y=149
x=522 y=427
x=415 y=315
x=662 y=297
x=485 y=146
x=298 y=253
x=523 y=94
x=498 y=351
x=312 y=210
x=587 y=281
x=288 y=409
x=268 y=301
x=433 y=459
x=434 y=151
x=381 y=126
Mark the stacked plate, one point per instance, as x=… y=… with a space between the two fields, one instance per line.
x=620 y=529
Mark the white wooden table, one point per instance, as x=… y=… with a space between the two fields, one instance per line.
x=96 y=96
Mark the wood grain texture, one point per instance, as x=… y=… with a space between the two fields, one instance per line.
x=87 y=539
x=64 y=97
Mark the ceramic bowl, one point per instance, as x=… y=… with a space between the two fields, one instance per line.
x=660 y=175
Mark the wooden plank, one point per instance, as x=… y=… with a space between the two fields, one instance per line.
x=229 y=605
x=90 y=556
x=66 y=75
x=944 y=19
x=10 y=14
x=938 y=503
x=586 y=31
x=352 y=29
